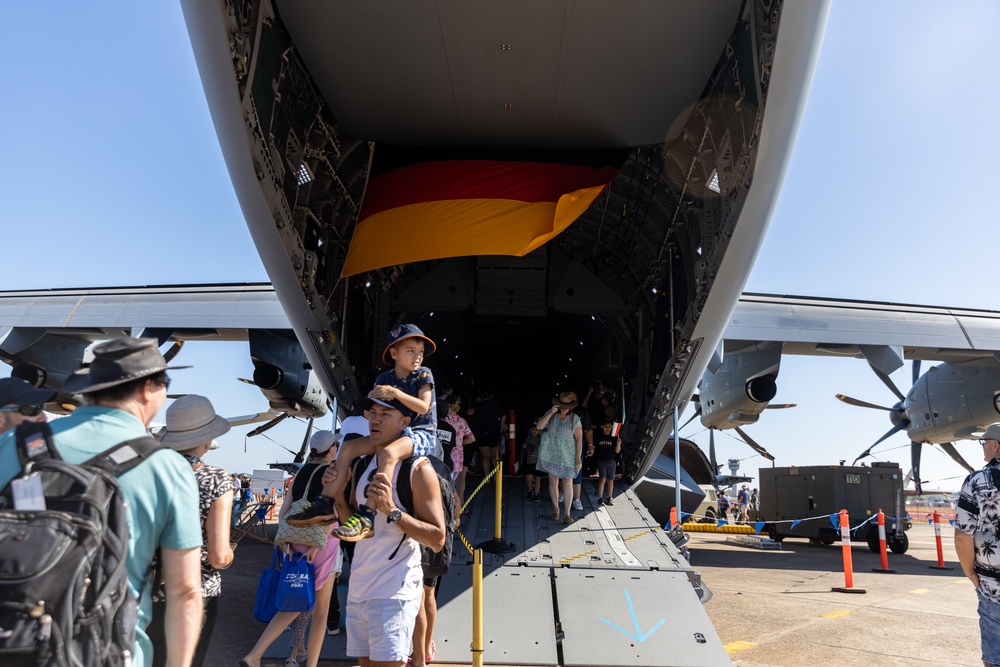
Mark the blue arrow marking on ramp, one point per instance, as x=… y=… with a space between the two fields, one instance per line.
x=635 y=622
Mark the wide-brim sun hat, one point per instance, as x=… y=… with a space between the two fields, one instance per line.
x=15 y=391
x=116 y=362
x=566 y=400
x=192 y=421
x=402 y=332
x=992 y=432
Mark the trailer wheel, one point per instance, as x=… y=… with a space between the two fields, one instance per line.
x=899 y=545
x=773 y=534
x=873 y=545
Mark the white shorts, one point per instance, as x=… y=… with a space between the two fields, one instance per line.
x=338 y=564
x=381 y=630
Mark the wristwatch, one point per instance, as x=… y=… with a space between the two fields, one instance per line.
x=394 y=516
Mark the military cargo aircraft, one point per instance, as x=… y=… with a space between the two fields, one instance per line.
x=561 y=191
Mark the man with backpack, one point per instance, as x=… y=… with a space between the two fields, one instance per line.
x=154 y=505
x=386 y=574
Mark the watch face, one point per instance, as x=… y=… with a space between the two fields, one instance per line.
x=395 y=515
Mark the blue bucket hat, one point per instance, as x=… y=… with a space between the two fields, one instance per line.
x=402 y=332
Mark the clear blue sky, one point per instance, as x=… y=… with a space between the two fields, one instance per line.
x=111 y=174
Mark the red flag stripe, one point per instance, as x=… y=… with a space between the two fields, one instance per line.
x=532 y=182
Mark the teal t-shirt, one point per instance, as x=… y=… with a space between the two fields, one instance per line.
x=162 y=495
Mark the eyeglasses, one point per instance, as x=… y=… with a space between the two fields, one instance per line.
x=26 y=410
x=983 y=441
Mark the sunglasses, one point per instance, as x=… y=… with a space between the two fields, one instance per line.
x=983 y=441
x=26 y=410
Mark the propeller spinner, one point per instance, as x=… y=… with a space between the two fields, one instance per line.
x=900 y=417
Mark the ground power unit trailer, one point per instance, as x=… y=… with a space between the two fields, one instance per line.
x=797 y=502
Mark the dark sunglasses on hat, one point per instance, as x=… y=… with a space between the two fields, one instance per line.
x=26 y=410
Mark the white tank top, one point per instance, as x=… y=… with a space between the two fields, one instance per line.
x=373 y=575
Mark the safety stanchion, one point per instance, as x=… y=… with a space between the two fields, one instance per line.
x=940 y=550
x=845 y=541
x=881 y=547
x=497 y=545
x=511 y=440
x=477 y=608
x=673 y=517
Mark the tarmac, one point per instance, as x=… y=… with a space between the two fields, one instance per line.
x=771 y=608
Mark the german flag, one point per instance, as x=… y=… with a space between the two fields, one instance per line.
x=421 y=204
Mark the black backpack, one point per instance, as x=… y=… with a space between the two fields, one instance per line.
x=446 y=435
x=64 y=596
x=435 y=563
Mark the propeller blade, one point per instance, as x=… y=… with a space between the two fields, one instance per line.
x=915 y=448
x=244 y=420
x=950 y=450
x=862 y=404
x=173 y=350
x=916 y=370
x=895 y=429
x=176 y=395
x=269 y=425
x=753 y=445
x=781 y=406
x=301 y=456
x=247 y=381
x=697 y=413
x=887 y=381
x=711 y=451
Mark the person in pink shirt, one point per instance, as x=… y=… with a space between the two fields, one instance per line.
x=463 y=436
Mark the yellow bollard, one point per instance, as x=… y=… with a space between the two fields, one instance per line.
x=497 y=545
x=477 y=608
x=497 y=533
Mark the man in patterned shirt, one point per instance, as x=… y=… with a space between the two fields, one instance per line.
x=977 y=541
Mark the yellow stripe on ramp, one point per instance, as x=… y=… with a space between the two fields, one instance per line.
x=733 y=647
x=840 y=613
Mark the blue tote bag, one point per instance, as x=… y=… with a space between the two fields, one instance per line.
x=265 y=604
x=297 y=584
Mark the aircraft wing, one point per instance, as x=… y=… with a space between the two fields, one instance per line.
x=45 y=334
x=181 y=312
x=840 y=327
x=806 y=325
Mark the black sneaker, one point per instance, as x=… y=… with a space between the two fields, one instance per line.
x=608 y=501
x=333 y=624
x=600 y=501
x=316 y=514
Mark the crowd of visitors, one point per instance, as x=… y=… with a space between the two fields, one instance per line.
x=181 y=508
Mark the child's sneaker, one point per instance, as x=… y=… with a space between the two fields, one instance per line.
x=578 y=505
x=320 y=513
x=607 y=501
x=357 y=527
x=600 y=501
